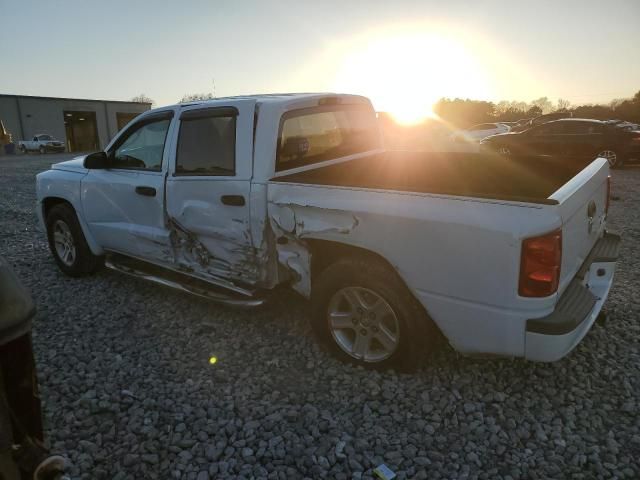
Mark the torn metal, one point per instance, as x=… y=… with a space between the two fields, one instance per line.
x=295 y=223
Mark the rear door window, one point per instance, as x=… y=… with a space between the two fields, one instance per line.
x=581 y=128
x=555 y=128
x=323 y=133
x=207 y=143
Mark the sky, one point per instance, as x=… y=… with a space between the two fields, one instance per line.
x=403 y=54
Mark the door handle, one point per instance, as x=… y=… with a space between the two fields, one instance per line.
x=146 y=191
x=233 y=200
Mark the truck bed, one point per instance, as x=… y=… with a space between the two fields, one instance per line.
x=481 y=175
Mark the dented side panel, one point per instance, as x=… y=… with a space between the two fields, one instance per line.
x=458 y=256
x=209 y=238
x=418 y=234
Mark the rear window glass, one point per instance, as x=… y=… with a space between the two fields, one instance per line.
x=323 y=133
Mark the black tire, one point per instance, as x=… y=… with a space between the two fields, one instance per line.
x=42 y=150
x=418 y=334
x=23 y=149
x=84 y=261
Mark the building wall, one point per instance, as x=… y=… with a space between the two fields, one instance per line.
x=114 y=108
x=10 y=117
x=46 y=115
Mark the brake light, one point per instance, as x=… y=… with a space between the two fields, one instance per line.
x=540 y=265
x=608 y=199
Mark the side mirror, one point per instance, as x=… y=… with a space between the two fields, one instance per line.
x=97 y=160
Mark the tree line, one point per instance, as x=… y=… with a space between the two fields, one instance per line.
x=464 y=112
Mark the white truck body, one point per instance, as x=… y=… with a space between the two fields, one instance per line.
x=42 y=143
x=459 y=252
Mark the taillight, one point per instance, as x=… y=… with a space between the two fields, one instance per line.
x=540 y=265
x=608 y=199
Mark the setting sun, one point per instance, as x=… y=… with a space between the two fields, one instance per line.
x=405 y=73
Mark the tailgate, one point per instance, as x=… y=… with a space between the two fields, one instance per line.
x=582 y=202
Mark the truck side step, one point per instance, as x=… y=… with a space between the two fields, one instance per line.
x=186 y=283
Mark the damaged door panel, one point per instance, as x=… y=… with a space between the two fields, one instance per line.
x=211 y=236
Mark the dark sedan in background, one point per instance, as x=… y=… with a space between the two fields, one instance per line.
x=571 y=137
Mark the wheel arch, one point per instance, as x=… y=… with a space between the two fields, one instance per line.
x=48 y=203
x=326 y=252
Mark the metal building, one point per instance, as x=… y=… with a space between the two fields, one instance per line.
x=84 y=125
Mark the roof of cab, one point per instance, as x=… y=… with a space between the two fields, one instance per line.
x=277 y=97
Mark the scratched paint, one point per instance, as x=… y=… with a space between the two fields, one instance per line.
x=216 y=256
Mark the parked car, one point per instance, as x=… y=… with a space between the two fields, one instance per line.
x=42 y=143
x=480 y=131
x=576 y=138
x=230 y=198
x=630 y=126
x=539 y=120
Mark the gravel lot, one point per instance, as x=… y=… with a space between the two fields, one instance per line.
x=129 y=392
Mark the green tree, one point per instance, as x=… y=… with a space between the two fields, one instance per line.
x=464 y=113
x=196 y=97
x=142 y=98
x=543 y=103
x=563 y=105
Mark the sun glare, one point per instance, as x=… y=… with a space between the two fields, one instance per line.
x=406 y=73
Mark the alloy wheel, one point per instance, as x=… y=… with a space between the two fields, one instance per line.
x=610 y=156
x=363 y=324
x=64 y=243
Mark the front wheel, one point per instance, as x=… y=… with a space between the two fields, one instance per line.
x=68 y=244
x=42 y=150
x=365 y=314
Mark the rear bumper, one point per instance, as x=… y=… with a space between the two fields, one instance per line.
x=552 y=337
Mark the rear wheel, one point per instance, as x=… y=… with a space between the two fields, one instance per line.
x=68 y=244
x=23 y=149
x=611 y=156
x=42 y=150
x=365 y=314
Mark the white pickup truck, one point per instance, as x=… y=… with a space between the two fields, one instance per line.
x=233 y=197
x=42 y=143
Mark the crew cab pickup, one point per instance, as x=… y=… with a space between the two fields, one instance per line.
x=231 y=198
x=42 y=143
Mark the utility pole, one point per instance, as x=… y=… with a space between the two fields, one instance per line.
x=213 y=80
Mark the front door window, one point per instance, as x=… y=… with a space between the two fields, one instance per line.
x=142 y=147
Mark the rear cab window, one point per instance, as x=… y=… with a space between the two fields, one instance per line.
x=327 y=132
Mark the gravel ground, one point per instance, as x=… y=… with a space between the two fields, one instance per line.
x=129 y=392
